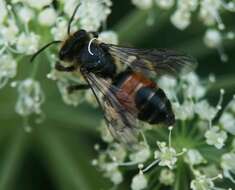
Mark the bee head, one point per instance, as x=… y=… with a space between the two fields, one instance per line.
x=72 y=45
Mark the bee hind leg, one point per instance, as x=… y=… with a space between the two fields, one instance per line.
x=60 y=67
x=77 y=87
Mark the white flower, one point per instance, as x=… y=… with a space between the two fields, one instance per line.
x=105 y=133
x=195 y=91
x=69 y=6
x=140 y=155
x=27 y=43
x=205 y=111
x=9 y=33
x=167 y=82
x=110 y=37
x=227 y=120
x=193 y=88
x=194 y=157
x=228 y=165
x=8 y=68
x=117 y=153
x=143 y=4
x=89 y=19
x=190 y=5
x=167 y=177
x=74 y=98
x=227 y=161
x=3 y=11
x=184 y=111
x=209 y=12
x=215 y=136
x=191 y=78
x=165 y=4
x=181 y=19
x=30 y=98
x=47 y=17
x=59 y=31
x=26 y=14
x=213 y=38
x=112 y=172
x=167 y=155
x=38 y=4
x=139 y=182
x=116 y=177
x=182 y=16
x=111 y=166
x=202 y=183
x=169 y=86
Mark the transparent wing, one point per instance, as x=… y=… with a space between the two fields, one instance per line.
x=121 y=120
x=158 y=61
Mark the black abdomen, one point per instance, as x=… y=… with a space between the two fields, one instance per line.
x=153 y=106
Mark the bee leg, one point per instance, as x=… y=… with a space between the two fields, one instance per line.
x=60 y=67
x=73 y=88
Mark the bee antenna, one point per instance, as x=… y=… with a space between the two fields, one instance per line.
x=42 y=49
x=72 y=18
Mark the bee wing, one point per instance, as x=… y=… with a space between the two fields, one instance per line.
x=121 y=121
x=146 y=61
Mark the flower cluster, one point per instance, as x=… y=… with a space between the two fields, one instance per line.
x=19 y=37
x=201 y=128
x=195 y=132
x=209 y=12
x=8 y=68
x=29 y=100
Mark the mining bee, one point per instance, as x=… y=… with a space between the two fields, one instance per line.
x=128 y=95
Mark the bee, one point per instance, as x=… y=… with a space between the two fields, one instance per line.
x=125 y=96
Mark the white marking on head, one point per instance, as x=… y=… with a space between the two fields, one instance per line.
x=89 y=46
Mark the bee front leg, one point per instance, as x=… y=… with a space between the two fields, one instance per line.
x=60 y=67
x=76 y=87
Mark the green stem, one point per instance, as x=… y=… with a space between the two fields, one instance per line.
x=225 y=82
x=177 y=180
x=12 y=160
x=158 y=186
x=193 y=131
x=182 y=176
x=184 y=128
x=35 y=69
x=133 y=28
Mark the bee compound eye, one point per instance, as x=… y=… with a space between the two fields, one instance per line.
x=61 y=55
x=95 y=34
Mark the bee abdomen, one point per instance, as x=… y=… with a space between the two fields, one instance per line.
x=153 y=106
